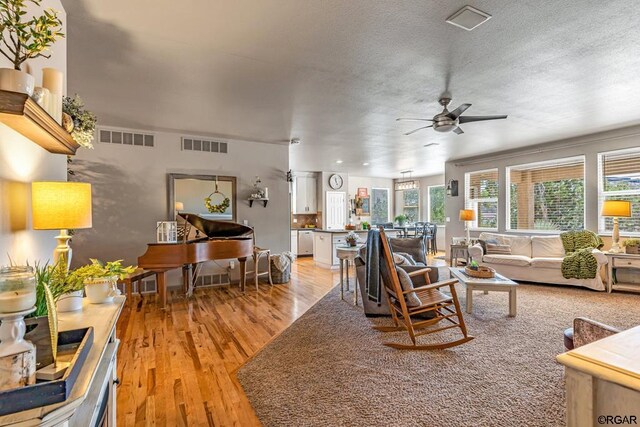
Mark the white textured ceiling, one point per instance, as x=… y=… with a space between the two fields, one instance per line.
x=336 y=73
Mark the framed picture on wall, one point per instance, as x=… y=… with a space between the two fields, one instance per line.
x=362 y=192
x=364 y=206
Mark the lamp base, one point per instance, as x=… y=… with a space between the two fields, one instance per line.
x=62 y=253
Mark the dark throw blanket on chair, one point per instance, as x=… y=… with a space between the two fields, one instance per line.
x=374 y=291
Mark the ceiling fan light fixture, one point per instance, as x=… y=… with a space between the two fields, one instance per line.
x=468 y=18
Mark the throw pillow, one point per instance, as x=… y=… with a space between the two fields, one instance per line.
x=408 y=257
x=483 y=244
x=495 y=249
x=400 y=260
x=411 y=298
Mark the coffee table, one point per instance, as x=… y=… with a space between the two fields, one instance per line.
x=497 y=284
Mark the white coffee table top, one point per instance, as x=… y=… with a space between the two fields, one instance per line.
x=498 y=280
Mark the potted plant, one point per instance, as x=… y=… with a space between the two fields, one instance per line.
x=631 y=246
x=401 y=219
x=100 y=279
x=67 y=290
x=351 y=238
x=366 y=225
x=22 y=39
x=79 y=122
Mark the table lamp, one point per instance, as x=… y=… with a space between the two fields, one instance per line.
x=61 y=206
x=467 y=215
x=616 y=209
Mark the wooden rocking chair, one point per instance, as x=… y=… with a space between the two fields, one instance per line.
x=443 y=306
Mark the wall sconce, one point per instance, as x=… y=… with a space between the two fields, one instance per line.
x=452 y=188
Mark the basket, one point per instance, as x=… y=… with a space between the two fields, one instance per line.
x=481 y=272
x=278 y=276
x=632 y=250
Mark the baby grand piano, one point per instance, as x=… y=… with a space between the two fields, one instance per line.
x=221 y=240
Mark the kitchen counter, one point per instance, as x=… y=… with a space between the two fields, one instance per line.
x=340 y=231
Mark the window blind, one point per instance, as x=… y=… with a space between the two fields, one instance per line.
x=546 y=196
x=619 y=179
x=481 y=195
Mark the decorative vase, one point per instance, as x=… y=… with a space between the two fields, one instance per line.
x=16 y=81
x=67 y=122
x=71 y=301
x=102 y=290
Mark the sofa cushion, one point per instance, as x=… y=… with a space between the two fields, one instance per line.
x=547 y=262
x=403 y=258
x=520 y=245
x=405 y=282
x=547 y=246
x=517 y=260
x=497 y=249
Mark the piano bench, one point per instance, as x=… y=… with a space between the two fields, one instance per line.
x=134 y=277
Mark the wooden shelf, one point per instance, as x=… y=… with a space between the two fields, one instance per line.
x=26 y=117
x=264 y=201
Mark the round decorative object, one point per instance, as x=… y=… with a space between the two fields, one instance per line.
x=67 y=122
x=336 y=181
x=481 y=273
x=219 y=208
x=102 y=290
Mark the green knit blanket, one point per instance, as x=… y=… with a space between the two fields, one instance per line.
x=579 y=262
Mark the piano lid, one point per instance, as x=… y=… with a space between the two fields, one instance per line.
x=214 y=228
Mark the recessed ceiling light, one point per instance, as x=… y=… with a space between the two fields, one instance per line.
x=468 y=18
x=365 y=164
x=431 y=144
x=338 y=161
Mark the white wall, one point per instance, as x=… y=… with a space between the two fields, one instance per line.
x=356 y=182
x=22 y=162
x=589 y=146
x=130 y=192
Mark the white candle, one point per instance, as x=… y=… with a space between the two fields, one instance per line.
x=53 y=79
x=266 y=192
x=14 y=301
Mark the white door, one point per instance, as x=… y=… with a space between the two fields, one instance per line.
x=336 y=210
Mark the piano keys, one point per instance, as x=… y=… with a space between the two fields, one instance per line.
x=223 y=240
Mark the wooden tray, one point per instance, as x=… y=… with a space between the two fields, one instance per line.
x=481 y=272
x=73 y=345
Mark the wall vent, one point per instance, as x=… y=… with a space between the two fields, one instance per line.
x=126 y=137
x=189 y=143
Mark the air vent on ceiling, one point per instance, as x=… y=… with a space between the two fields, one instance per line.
x=189 y=143
x=468 y=18
x=125 y=137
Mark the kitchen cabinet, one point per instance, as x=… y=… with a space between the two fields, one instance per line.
x=305 y=195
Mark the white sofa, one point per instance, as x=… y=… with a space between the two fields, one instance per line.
x=534 y=259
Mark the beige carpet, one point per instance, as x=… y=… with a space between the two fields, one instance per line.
x=331 y=369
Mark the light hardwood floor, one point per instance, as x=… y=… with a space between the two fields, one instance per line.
x=177 y=367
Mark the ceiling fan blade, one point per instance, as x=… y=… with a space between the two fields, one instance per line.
x=416 y=130
x=469 y=119
x=458 y=130
x=456 y=113
x=405 y=119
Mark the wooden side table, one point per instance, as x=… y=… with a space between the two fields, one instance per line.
x=346 y=255
x=621 y=261
x=458 y=250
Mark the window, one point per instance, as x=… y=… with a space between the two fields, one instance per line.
x=436 y=204
x=411 y=204
x=379 y=205
x=481 y=195
x=619 y=179
x=546 y=196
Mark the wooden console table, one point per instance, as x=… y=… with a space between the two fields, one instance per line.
x=93 y=398
x=603 y=380
x=621 y=261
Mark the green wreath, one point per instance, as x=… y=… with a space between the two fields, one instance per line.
x=217 y=208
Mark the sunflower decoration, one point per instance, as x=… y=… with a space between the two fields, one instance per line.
x=219 y=208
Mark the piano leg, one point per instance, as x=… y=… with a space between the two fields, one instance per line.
x=162 y=287
x=243 y=272
x=186 y=280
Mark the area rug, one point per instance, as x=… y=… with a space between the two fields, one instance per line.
x=330 y=368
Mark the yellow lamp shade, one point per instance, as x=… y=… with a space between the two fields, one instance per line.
x=616 y=208
x=467 y=215
x=61 y=205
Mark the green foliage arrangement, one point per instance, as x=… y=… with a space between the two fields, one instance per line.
x=220 y=208
x=366 y=225
x=99 y=270
x=20 y=39
x=401 y=219
x=84 y=121
x=631 y=242
x=59 y=280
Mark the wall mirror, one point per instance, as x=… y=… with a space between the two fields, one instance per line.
x=187 y=193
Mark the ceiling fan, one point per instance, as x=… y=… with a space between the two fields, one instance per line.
x=449 y=120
